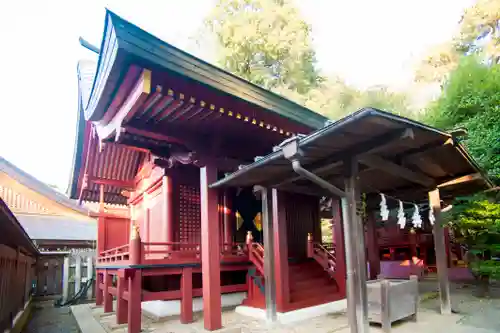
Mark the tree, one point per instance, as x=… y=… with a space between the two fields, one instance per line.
x=480 y=29
x=266 y=42
x=475 y=221
x=471 y=99
x=479 y=32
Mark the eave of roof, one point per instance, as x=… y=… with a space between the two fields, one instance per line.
x=124 y=43
x=15 y=231
x=238 y=178
x=39 y=187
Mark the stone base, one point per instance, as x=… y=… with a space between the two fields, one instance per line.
x=296 y=315
x=160 y=310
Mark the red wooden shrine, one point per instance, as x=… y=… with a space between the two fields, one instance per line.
x=154 y=130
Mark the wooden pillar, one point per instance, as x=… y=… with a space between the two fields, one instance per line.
x=168 y=209
x=229 y=216
x=187 y=295
x=372 y=246
x=447 y=246
x=134 y=301
x=338 y=236
x=108 y=298
x=121 y=303
x=413 y=243
x=355 y=252
x=440 y=249
x=269 y=259
x=210 y=252
x=101 y=227
x=280 y=251
x=99 y=295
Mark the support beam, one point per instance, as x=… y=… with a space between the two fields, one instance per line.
x=187 y=295
x=210 y=253
x=440 y=249
x=134 y=301
x=168 y=209
x=99 y=295
x=460 y=180
x=108 y=298
x=112 y=182
x=397 y=170
x=372 y=246
x=121 y=303
x=338 y=240
x=355 y=253
x=336 y=160
x=280 y=251
x=269 y=260
x=229 y=216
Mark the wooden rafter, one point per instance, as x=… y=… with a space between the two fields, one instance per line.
x=112 y=182
x=130 y=106
x=463 y=179
x=397 y=170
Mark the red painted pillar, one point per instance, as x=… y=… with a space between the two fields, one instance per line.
x=134 y=301
x=98 y=290
x=280 y=252
x=229 y=216
x=187 y=295
x=338 y=231
x=168 y=207
x=210 y=253
x=121 y=303
x=101 y=227
x=108 y=298
x=413 y=243
x=372 y=247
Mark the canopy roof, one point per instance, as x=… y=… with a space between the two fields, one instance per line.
x=398 y=156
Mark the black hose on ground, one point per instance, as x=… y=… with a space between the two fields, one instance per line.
x=77 y=297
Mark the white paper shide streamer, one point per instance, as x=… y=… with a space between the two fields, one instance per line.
x=384 y=212
x=432 y=219
x=401 y=216
x=416 y=219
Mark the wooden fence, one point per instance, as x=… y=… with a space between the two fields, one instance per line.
x=16 y=274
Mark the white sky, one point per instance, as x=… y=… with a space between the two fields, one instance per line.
x=367 y=42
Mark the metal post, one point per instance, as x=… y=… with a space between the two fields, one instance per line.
x=78 y=273
x=66 y=279
x=267 y=227
x=90 y=274
x=440 y=249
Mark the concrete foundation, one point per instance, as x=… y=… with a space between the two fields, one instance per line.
x=297 y=315
x=159 y=310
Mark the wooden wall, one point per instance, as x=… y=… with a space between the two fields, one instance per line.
x=16 y=274
x=302 y=217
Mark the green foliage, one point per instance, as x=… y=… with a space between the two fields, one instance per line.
x=471 y=99
x=481 y=18
x=266 y=42
x=475 y=221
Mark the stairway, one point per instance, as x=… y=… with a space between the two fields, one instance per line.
x=310 y=285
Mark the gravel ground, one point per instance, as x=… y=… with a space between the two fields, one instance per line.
x=46 y=318
x=471 y=315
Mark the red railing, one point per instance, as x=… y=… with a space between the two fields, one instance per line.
x=324 y=255
x=256 y=256
x=115 y=254
x=171 y=252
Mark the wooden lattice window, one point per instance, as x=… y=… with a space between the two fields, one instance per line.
x=189 y=214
